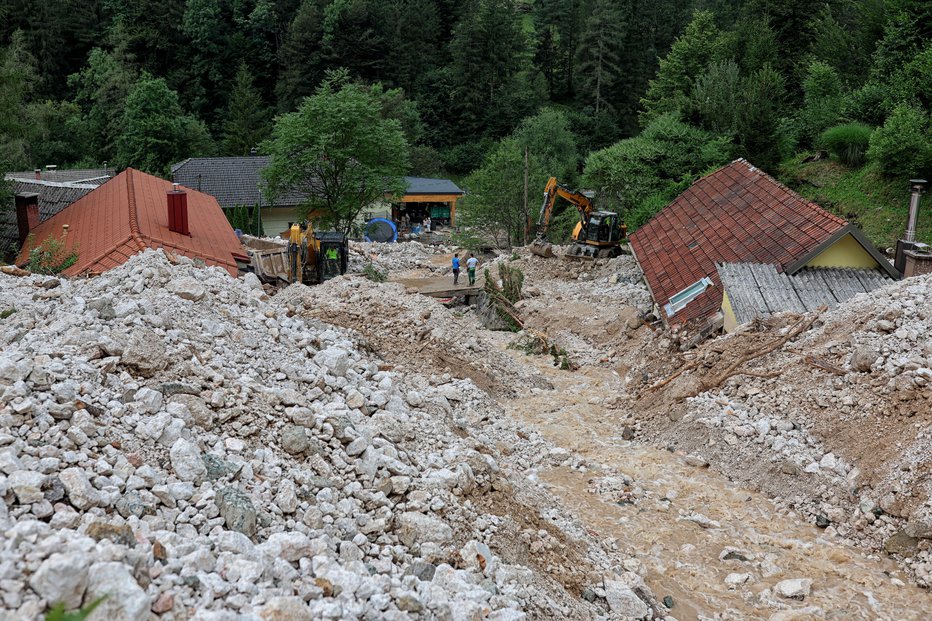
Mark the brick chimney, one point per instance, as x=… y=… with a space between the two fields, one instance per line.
x=27 y=214
x=178 y=210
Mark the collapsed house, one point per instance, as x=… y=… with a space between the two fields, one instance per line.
x=130 y=213
x=777 y=250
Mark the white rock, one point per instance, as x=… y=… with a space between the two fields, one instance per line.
x=126 y=600
x=186 y=461
x=290 y=546
x=414 y=528
x=80 y=491
x=736 y=579
x=61 y=578
x=335 y=359
x=795 y=588
x=151 y=400
x=623 y=601
x=27 y=485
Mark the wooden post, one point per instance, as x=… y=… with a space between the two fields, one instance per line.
x=527 y=216
x=453 y=213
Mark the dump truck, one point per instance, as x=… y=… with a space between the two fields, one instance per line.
x=598 y=234
x=307 y=256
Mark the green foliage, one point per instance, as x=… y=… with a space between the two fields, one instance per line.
x=57 y=613
x=246 y=219
x=373 y=273
x=17 y=75
x=248 y=121
x=598 y=56
x=760 y=126
x=52 y=256
x=700 y=44
x=876 y=203
x=339 y=151
x=7 y=312
x=156 y=132
x=667 y=156
x=867 y=104
x=495 y=201
x=848 y=142
x=716 y=96
x=823 y=96
x=903 y=146
x=101 y=89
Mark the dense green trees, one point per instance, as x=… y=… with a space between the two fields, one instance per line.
x=146 y=82
x=339 y=150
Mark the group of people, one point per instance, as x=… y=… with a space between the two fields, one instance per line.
x=406 y=223
x=471 y=264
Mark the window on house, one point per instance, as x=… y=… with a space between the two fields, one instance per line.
x=687 y=295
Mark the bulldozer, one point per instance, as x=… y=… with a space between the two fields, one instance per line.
x=306 y=256
x=597 y=235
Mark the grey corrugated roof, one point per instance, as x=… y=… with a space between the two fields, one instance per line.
x=426 y=185
x=231 y=180
x=53 y=197
x=759 y=290
x=92 y=176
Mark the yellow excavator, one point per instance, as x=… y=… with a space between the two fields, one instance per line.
x=597 y=235
x=326 y=254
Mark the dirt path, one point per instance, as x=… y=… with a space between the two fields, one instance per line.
x=643 y=497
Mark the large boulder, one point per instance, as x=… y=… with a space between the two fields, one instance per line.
x=125 y=599
x=61 y=578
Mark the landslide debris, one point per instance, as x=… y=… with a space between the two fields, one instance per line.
x=179 y=441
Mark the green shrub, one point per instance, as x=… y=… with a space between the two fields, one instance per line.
x=903 y=146
x=848 y=142
x=58 y=613
x=51 y=257
x=373 y=273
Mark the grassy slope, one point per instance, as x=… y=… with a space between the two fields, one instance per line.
x=876 y=204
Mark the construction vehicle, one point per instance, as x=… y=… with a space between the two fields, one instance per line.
x=305 y=257
x=597 y=235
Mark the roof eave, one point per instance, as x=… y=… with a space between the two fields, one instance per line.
x=855 y=232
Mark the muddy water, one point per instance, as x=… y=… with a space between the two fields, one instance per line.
x=683 y=558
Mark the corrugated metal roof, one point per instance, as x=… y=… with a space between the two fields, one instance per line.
x=758 y=290
x=736 y=214
x=128 y=214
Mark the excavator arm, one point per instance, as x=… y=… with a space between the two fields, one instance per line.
x=552 y=191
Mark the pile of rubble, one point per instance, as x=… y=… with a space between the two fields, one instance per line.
x=592 y=307
x=180 y=443
x=399 y=257
x=837 y=423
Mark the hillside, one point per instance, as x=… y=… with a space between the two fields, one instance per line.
x=877 y=204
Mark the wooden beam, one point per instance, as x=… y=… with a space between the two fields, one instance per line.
x=429 y=198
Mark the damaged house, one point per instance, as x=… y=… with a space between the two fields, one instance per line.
x=132 y=212
x=738 y=245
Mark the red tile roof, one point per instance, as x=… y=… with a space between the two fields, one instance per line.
x=737 y=213
x=128 y=214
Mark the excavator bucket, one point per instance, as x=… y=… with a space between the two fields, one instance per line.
x=542 y=249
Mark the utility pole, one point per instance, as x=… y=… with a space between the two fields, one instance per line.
x=527 y=215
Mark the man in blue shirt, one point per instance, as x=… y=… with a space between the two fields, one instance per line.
x=456 y=269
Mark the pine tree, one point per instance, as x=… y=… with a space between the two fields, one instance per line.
x=691 y=53
x=301 y=63
x=598 y=59
x=247 y=120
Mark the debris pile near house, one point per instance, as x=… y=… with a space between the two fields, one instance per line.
x=837 y=422
x=400 y=257
x=182 y=443
x=412 y=332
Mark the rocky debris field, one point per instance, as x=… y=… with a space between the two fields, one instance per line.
x=400 y=257
x=179 y=442
x=593 y=308
x=836 y=423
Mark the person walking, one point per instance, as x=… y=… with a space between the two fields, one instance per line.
x=471 y=264
x=456 y=269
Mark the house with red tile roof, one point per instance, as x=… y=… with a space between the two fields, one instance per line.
x=739 y=214
x=135 y=211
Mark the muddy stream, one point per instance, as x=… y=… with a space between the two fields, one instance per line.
x=640 y=496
